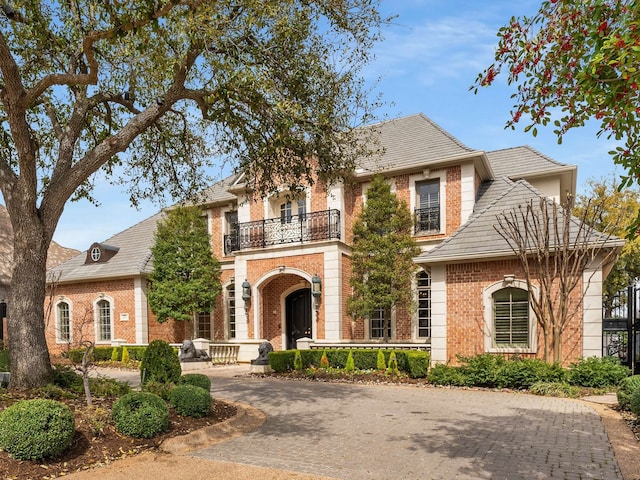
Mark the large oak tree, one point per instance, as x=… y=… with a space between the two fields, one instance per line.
x=149 y=92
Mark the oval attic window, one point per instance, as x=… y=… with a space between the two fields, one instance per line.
x=95 y=254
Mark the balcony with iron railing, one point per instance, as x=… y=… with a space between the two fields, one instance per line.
x=307 y=227
x=427 y=220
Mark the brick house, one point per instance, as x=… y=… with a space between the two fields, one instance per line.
x=285 y=260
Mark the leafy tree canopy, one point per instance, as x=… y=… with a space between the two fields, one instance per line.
x=383 y=252
x=186 y=275
x=613 y=211
x=577 y=60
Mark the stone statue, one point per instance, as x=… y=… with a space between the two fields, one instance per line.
x=263 y=354
x=189 y=353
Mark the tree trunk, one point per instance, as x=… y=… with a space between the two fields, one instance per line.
x=30 y=363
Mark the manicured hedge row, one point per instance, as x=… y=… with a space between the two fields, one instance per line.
x=105 y=354
x=413 y=362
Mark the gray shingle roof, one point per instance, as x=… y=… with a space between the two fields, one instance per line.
x=478 y=239
x=522 y=162
x=133 y=257
x=412 y=141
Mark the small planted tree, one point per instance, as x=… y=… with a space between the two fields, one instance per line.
x=382 y=255
x=554 y=249
x=186 y=275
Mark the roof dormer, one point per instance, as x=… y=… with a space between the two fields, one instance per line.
x=100 y=253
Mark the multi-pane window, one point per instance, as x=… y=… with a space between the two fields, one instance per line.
x=424 y=305
x=64 y=322
x=511 y=317
x=428 y=211
x=286 y=211
x=231 y=310
x=204 y=325
x=104 y=321
x=380 y=317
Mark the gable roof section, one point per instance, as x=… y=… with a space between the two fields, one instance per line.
x=132 y=259
x=524 y=161
x=412 y=142
x=478 y=239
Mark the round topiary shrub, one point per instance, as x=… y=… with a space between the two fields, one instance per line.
x=190 y=401
x=634 y=402
x=626 y=387
x=140 y=415
x=160 y=363
x=197 y=379
x=36 y=429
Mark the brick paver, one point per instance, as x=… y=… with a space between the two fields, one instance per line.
x=389 y=432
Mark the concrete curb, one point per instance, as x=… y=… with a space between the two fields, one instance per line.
x=246 y=419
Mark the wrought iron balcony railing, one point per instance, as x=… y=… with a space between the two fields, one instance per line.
x=427 y=219
x=308 y=227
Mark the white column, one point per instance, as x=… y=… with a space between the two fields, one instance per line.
x=140 y=310
x=467 y=191
x=592 y=311
x=242 y=328
x=332 y=295
x=438 y=314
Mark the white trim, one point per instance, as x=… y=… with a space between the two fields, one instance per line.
x=467 y=191
x=141 y=310
x=487 y=299
x=69 y=303
x=96 y=318
x=438 y=314
x=592 y=310
x=427 y=175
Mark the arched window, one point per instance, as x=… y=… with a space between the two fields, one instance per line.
x=511 y=317
x=510 y=324
x=105 y=330
x=63 y=322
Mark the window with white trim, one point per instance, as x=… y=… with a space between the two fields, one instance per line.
x=231 y=311
x=511 y=317
x=105 y=326
x=510 y=324
x=203 y=329
x=378 y=319
x=424 y=304
x=428 y=206
x=63 y=320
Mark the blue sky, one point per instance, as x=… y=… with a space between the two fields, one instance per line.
x=431 y=54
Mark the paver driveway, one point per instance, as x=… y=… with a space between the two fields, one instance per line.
x=388 y=432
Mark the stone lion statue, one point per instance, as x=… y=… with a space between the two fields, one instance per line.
x=189 y=353
x=263 y=354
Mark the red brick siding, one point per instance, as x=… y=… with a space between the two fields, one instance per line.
x=465 y=310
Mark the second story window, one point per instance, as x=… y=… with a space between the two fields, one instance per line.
x=287 y=211
x=428 y=202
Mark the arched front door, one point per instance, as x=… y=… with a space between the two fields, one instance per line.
x=298 y=310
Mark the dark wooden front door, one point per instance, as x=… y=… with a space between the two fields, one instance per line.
x=298 y=305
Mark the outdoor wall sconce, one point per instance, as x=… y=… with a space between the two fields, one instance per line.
x=316 y=286
x=246 y=291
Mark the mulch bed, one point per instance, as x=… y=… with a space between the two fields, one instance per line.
x=96 y=441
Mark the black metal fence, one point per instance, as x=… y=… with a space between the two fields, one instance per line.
x=621 y=327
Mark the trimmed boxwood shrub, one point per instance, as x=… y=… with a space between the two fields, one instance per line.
x=190 y=401
x=282 y=361
x=597 y=372
x=36 y=429
x=418 y=363
x=625 y=389
x=140 y=415
x=161 y=389
x=197 y=379
x=160 y=363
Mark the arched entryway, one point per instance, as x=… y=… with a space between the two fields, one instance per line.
x=298 y=316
